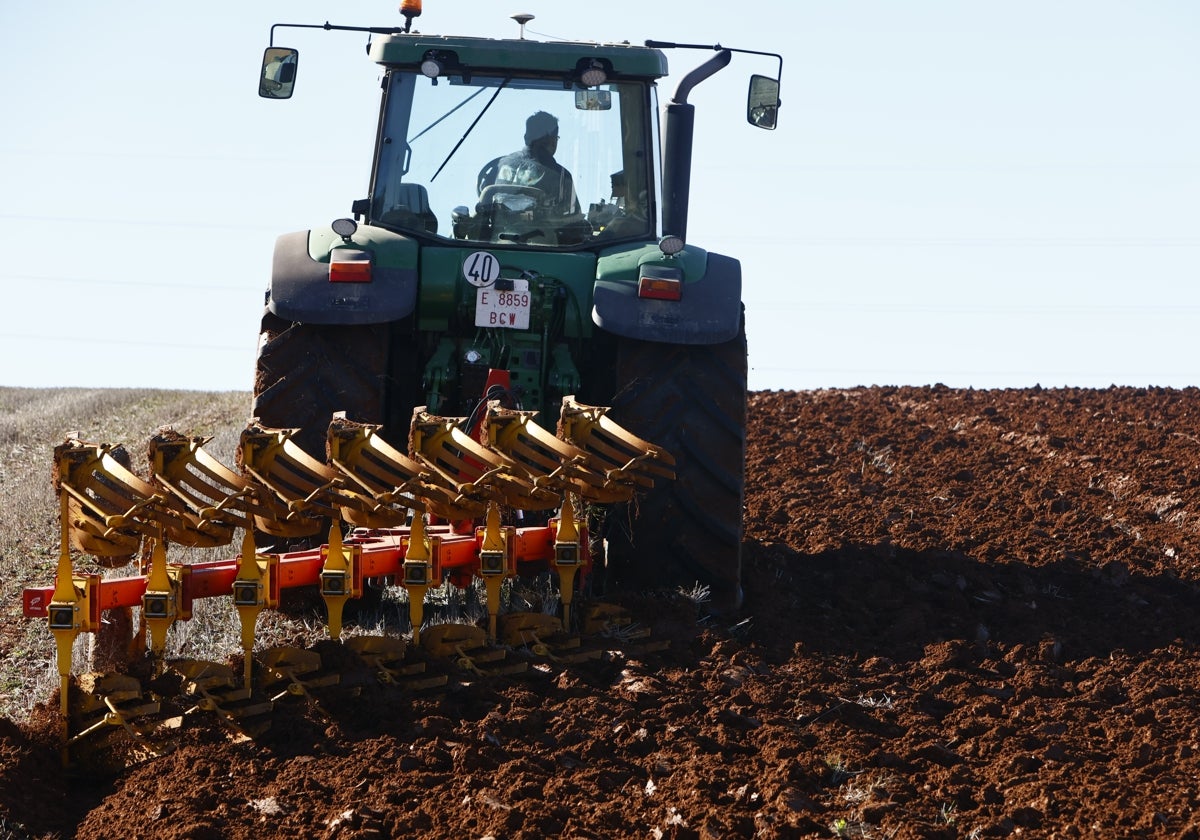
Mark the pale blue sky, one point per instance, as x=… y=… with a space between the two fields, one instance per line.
x=979 y=194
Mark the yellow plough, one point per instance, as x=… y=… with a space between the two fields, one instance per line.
x=427 y=517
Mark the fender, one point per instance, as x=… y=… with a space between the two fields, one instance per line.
x=710 y=311
x=301 y=291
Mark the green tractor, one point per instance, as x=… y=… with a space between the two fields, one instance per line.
x=524 y=239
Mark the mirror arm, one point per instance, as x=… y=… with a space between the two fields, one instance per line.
x=671 y=45
x=330 y=27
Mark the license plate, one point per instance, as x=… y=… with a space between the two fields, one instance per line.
x=507 y=310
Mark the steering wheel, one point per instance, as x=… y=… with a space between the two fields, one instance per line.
x=487 y=175
x=491 y=195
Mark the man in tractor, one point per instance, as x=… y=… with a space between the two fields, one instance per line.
x=535 y=166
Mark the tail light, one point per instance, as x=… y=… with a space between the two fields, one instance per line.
x=660 y=283
x=349 y=266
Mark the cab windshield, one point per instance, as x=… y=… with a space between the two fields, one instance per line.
x=515 y=161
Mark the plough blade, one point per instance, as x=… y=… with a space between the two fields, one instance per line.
x=111 y=508
x=543 y=636
x=611 y=620
x=549 y=462
x=181 y=466
x=478 y=473
x=216 y=690
x=288 y=670
x=302 y=485
x=393 y=480
x=623 y=456
x=111 y=700
x=615 y=623
x=468 y=646
x=104 y=707
x=388 y=656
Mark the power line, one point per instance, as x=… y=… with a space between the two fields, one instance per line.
x=157 y=223
x=97 y=281
x=1056 y=310
x=960 y=241
x=60 y=339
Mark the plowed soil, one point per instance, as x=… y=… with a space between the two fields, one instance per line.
x=968 y=614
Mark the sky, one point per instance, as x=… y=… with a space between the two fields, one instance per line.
x=978 y=194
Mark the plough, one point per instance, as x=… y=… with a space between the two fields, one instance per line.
x=423 y=518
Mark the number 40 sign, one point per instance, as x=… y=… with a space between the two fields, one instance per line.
x=507 y=309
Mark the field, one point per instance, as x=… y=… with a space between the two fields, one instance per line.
x=969 y=614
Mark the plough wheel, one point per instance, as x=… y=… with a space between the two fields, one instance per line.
x=691 y=401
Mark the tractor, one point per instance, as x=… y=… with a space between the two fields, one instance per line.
x=524 y=239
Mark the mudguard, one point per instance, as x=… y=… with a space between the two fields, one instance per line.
x=301 y=291
x=709 y=312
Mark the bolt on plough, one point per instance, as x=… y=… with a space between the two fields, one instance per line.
x=425 y=518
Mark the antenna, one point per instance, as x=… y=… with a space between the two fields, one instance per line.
x=522 y=18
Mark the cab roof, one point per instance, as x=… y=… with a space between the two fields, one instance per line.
x=479 y=55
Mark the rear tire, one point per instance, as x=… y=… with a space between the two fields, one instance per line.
x=690 y=400
x=306 y=372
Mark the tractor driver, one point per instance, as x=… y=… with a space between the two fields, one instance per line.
x=535 y=166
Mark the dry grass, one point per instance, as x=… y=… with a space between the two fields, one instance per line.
x=32 y=423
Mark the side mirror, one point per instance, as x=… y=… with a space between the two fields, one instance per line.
x=593 y=100
x=762 y=103
x=278 y=77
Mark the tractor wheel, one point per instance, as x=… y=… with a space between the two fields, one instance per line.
x=690 y=400
x=306 y=372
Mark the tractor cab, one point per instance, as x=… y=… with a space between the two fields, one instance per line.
x=539 y=145
x=560 y=156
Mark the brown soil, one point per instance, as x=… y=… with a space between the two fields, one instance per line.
x=968 y=614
